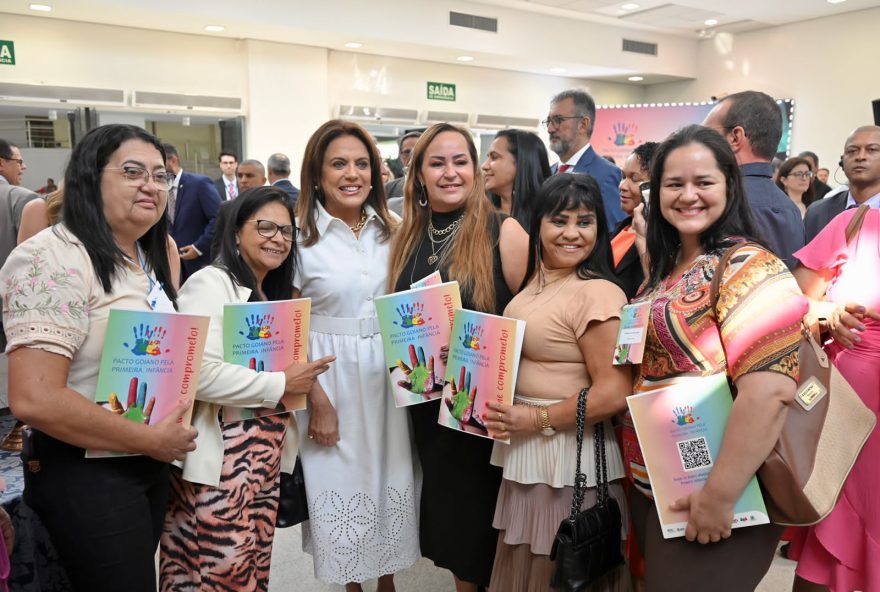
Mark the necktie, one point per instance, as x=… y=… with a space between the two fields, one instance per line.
x=231 y=190
x=564 y=167
x=172 y=200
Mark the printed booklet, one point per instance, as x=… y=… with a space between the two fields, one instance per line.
x=415 y=325
x=483 y=363
x=680 y=426
x=266 y=336
x=151 y=361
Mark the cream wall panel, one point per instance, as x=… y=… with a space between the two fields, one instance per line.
x=829 y=66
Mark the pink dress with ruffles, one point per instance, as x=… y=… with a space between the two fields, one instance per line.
x=843 y=551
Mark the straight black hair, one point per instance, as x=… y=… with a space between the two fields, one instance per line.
x=532 y=169
x=663 y=240
x=278 y=283
x=563 y=193
x=83 y=207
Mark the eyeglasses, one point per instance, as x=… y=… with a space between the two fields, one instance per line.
x=801 y=175
x=137 y=174
x=556 y=120
x=20 y=161
x=268 y=229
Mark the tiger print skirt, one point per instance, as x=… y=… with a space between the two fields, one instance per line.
x=220 y=538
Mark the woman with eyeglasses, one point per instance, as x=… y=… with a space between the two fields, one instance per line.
x=795 y=178
x=221 y=518
x=104 y=516
x=355 y=444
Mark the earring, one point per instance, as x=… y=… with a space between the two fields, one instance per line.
x=423 y=201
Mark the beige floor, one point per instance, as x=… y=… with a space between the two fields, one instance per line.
x=292 y=571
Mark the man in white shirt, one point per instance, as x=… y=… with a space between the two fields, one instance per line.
x=570 y=126
x=227 y=184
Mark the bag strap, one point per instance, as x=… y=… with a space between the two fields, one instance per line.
x=580 y=479
x=852 y=229
x=715 y=287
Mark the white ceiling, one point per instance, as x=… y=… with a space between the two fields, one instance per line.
x=573 y=38
x=689 y=16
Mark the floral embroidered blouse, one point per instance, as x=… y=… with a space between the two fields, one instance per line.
x=755 y=327
x=53 y=301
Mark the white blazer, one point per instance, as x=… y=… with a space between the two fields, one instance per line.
x=221 y=383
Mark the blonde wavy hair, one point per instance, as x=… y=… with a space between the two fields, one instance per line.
x=469 y=259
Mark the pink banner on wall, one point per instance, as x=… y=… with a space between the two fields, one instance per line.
x=619 y=129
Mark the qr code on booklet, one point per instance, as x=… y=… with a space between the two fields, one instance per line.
x=694 y=454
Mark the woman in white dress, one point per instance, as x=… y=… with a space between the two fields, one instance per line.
x=356 y=452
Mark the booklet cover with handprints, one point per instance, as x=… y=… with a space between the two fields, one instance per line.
x=151 y=361
x=483 y=363
x=266 y=336
x=432 y=279
x=680 y=426
x=415 y=325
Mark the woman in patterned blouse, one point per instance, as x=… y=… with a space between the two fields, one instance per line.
x=698 y=210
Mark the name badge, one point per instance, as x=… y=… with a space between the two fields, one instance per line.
x=633 y=331
x=158 y=299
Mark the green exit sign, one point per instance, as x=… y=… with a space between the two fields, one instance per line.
x=441 y=91
x=7 y=53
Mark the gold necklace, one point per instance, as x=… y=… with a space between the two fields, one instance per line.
x=361 y=222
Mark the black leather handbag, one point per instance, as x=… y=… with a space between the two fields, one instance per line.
x=587 y=544
x=293 y=506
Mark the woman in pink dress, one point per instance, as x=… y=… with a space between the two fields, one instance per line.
x=842 y=280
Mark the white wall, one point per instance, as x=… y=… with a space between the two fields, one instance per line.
x=42 y=164
x=402 y=83
x=829 y=66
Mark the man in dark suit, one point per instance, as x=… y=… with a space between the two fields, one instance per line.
x=278 y=168
x=751 y=122
x=227 y=185
x=192 y=206
x=570 y=125
x=861 y=165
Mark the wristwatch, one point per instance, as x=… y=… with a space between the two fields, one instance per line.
x=546 y=428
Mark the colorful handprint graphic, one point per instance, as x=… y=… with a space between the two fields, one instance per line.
x=137 y=407
x=472 y=335
x=256 y=365
x=684 y=415
x=411 y=315
x=147 y=340
x=624 y=134
x=258 y=326
x=420 y=377
x=461 y=401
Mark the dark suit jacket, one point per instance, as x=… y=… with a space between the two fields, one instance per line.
x=220 y=184
x=777 y=218
x=629 y=271
x=194 y=212
x=821 y=212
x=287 y=186
x=608 y=177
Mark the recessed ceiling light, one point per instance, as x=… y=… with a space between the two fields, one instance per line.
x=557 y=70
x=636 y=78
x=354 y=45
x=710 y=22
x=41 y=7
x=629 y=6
x=215 y=28
x=835 y=1
x=465 y=58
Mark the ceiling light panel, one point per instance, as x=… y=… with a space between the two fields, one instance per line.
x=672 y=15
